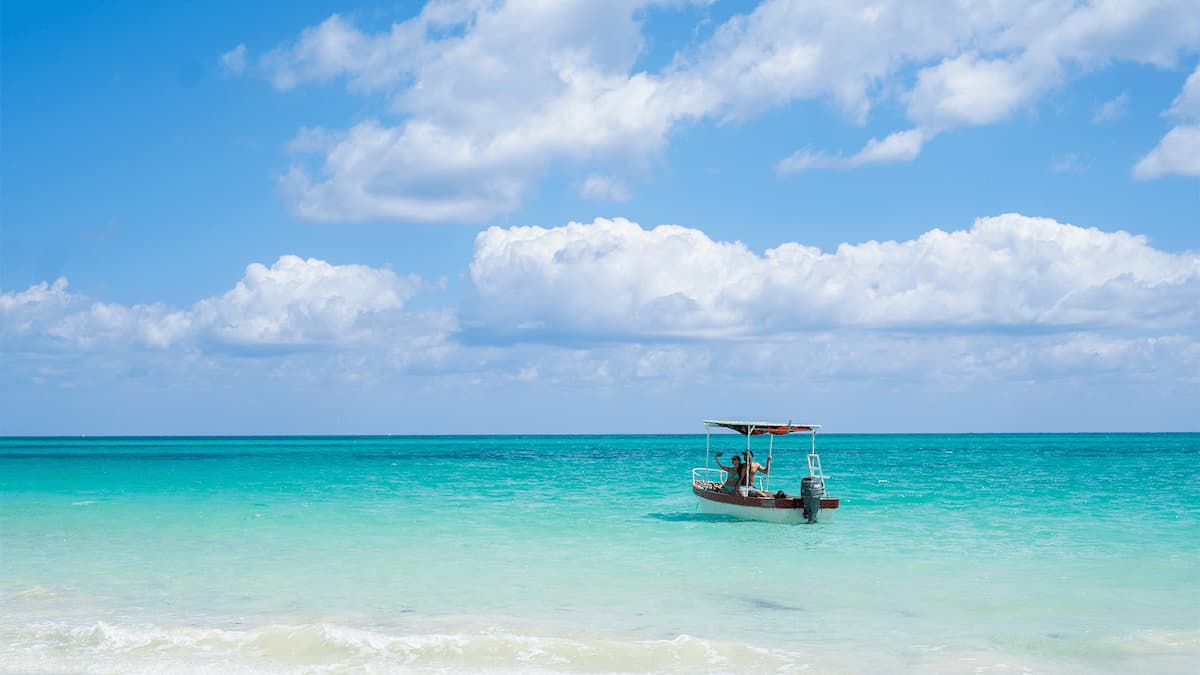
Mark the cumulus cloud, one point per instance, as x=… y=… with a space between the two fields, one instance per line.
x=301 y=302
x=613 y=278
x=613 y=306
x=50 y=314
x=486 y=113
x=1179 y=151
x=971 y=90
x=31 y=309
x=294 y=303
x=478 y=106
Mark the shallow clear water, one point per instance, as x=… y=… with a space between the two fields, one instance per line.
x=951 y=553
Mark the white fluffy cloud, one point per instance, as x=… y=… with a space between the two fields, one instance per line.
x=617 y=281
x=1179 y=151
x=294 y=303
x=484 y=113
x=613 y=278
x=1005 y=56
x=52 y=312
x=486 y=105
x=611 y=306
x=301 y=302
x=1187 y=104
x=972 y=90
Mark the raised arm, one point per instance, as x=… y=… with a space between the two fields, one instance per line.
x=717 y=457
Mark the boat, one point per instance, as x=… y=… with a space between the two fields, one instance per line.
x=750 y=497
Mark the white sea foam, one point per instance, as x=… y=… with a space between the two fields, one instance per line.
x=105 y=647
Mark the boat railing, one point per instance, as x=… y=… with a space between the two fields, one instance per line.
x=703 y=476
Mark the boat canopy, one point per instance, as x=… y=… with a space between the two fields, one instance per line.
x=760 y=428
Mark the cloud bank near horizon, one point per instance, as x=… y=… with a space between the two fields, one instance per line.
x=610 y=303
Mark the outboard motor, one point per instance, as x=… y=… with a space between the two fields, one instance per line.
x=812 y=488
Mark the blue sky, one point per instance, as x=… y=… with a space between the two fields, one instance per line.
x=577 y=217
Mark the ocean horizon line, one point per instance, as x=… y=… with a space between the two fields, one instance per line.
x=569 y=435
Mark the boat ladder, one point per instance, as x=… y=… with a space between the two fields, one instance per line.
x=814 y=466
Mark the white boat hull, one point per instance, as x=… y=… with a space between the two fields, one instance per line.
x=759 y=513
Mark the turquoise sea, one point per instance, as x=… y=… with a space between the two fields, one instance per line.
x=951 y=553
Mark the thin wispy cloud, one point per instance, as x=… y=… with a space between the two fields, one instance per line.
x=902 y=146
x=1112 y=109
x=1067 y=163
x=604 y=188
x=233 y=62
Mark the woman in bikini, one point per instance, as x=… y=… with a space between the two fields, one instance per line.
x=733 y=474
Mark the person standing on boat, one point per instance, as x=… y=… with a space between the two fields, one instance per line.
x=734 y=474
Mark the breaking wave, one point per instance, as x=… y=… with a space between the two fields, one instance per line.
x=104 y=647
